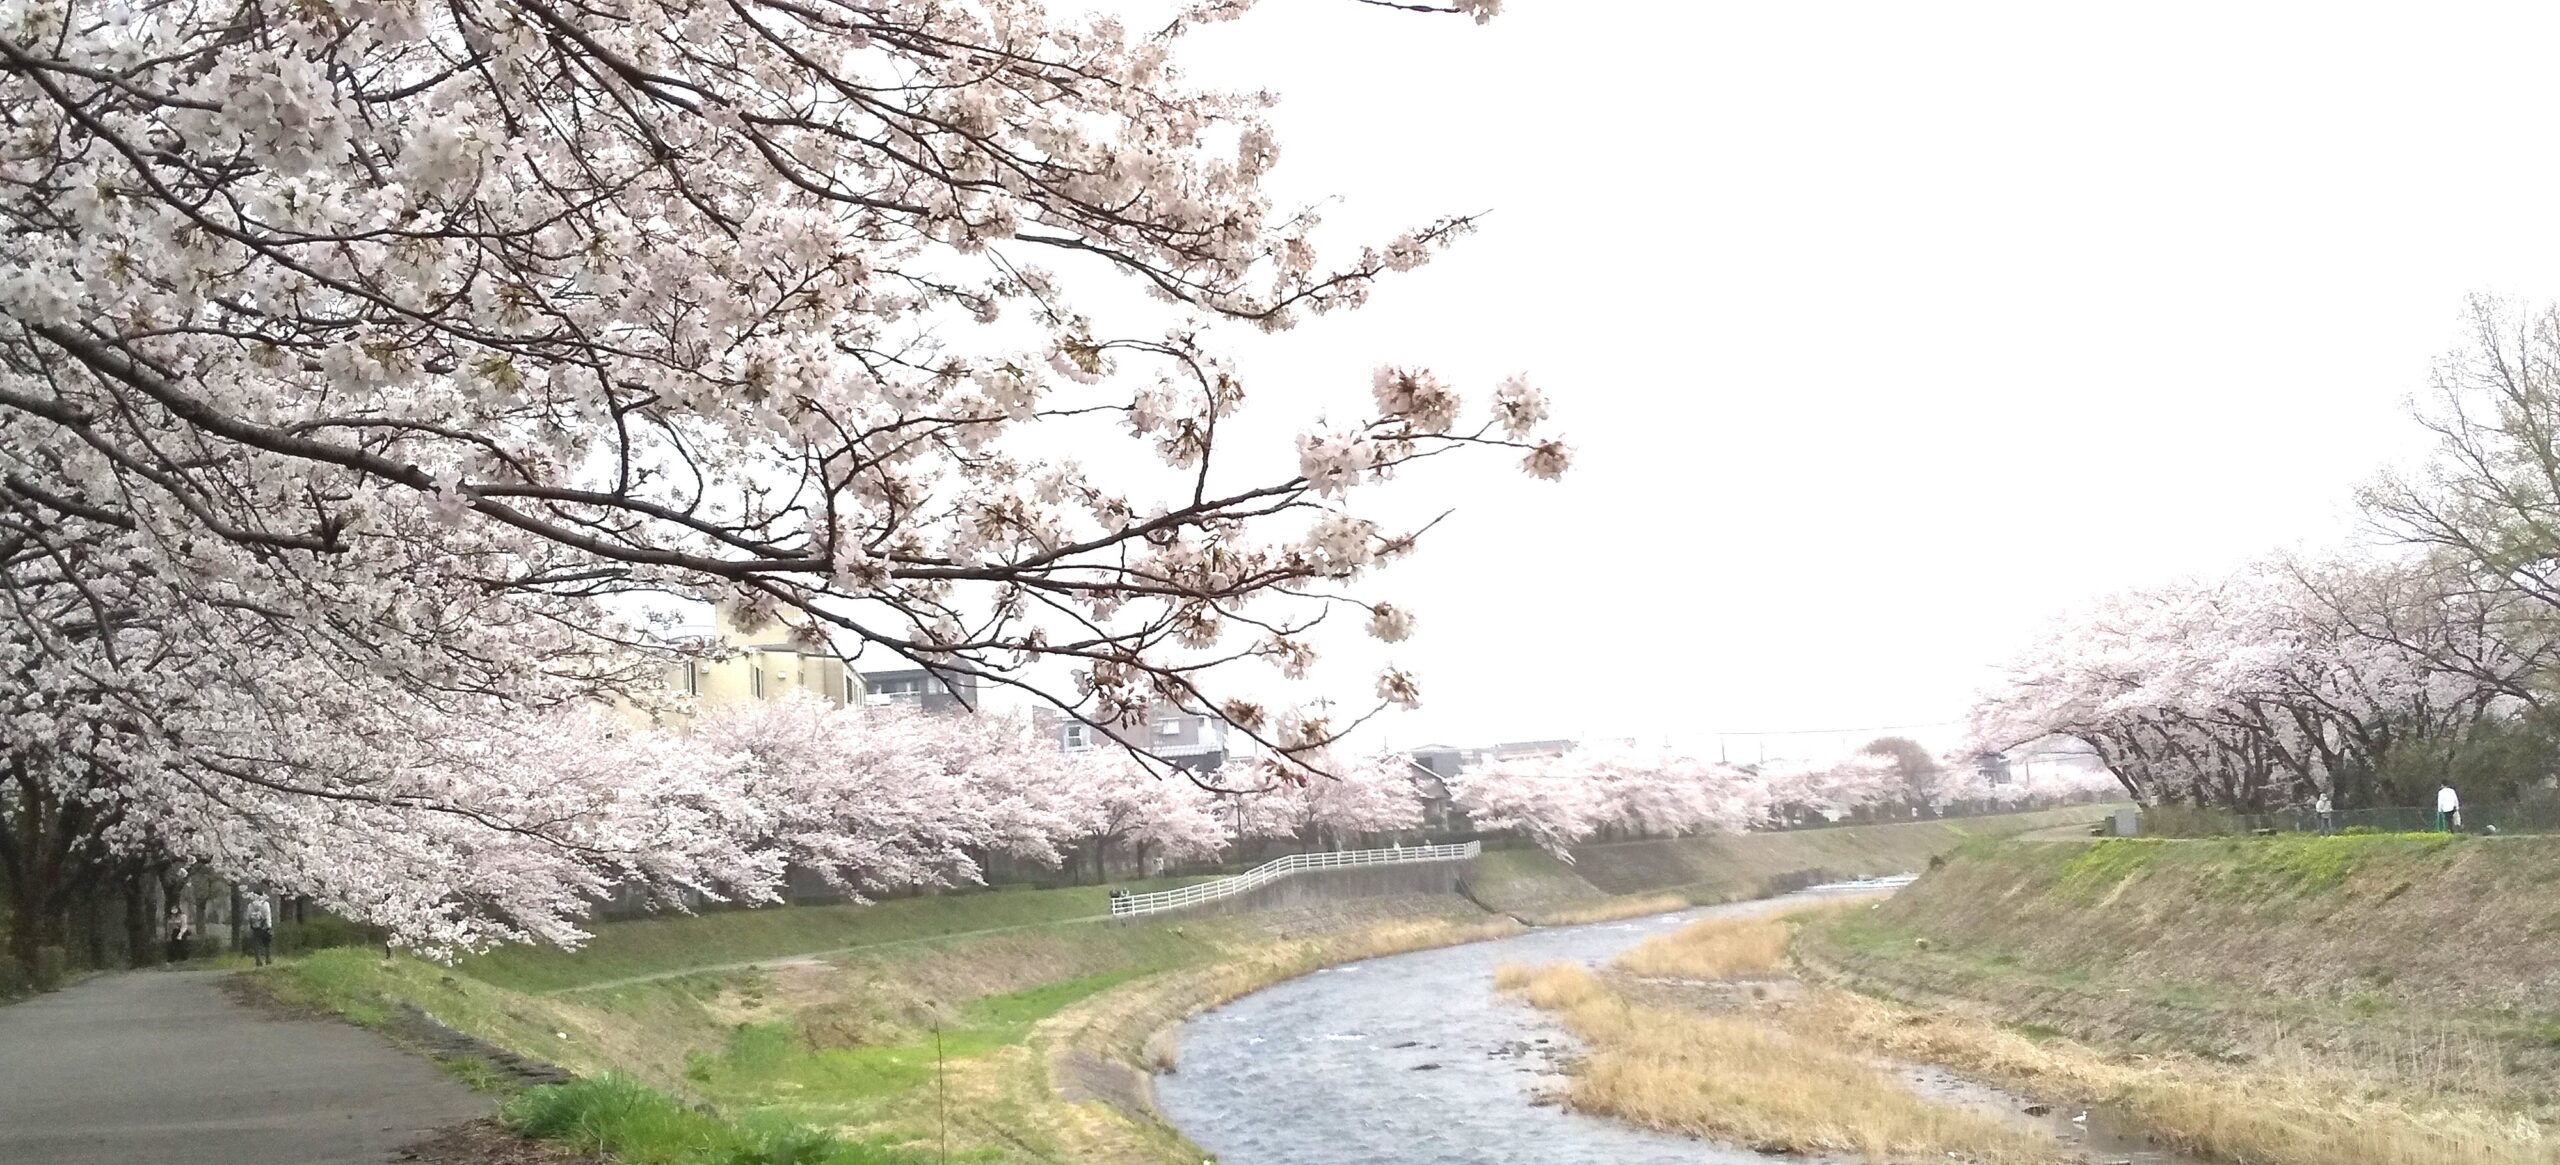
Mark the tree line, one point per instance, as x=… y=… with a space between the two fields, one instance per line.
x=2368 y=675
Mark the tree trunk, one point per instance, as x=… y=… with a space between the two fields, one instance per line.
x=31 y=925
x=96 y=904
x=139 y=950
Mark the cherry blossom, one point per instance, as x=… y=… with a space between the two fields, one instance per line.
x=2266 y=687
x=359 y=367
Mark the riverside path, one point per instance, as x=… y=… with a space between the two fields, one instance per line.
x=164 y=1066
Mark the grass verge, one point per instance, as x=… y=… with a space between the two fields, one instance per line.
x=639 y=1125
x=2286 y=1113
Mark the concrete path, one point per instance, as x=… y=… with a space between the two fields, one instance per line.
x=162 y=1066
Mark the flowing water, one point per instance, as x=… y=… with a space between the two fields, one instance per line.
x=1416 y=1059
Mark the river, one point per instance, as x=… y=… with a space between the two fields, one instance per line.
x=1416 y=1059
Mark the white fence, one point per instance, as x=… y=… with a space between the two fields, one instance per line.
x=1132 y=905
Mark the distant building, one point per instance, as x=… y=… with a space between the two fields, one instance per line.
x=1530 y=749
x=766 y=666
x=1433 y=766
x=922 y=689
x=1192 y=740
x=1441 y=761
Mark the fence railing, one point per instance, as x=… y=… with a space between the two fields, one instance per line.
x=1157 y=902
x=2180 y=821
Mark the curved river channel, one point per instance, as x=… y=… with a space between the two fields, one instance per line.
x=1415 y=1059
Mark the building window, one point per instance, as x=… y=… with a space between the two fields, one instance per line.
x=692 y=678
x=849 y=692
x=1168 y=727
x=755 y=682
x=1079 y=736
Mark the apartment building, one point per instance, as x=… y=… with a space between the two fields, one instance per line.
x=1192 y=740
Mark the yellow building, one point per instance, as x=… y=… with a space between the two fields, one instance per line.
x=768 y=666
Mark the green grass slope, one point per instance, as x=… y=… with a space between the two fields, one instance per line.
x=1540 y=887
x=2369 y=923
x=677 y=943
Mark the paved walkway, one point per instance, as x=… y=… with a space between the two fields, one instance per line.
x=162 y=1066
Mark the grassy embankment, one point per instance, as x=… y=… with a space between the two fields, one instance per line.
x=2292 y=1000
x=1019 y=1042
x=996 y=1018
x=1650 y=877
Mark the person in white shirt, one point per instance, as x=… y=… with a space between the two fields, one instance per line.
x=181 y=931
x=2448 y=808
x=2322 y=806
x=262 y=929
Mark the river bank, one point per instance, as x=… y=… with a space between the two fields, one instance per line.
x=1009 y=1024
x=1707 y=1031
x=2365 y=948
x=2304 y=1000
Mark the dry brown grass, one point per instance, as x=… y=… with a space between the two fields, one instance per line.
x=1554 y=987
x=1736 y=1079
x=1609 y=909
x=1713 y=948
x=2287 y=1114
x=1729 y=948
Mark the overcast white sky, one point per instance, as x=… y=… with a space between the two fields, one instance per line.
x=1887 y=330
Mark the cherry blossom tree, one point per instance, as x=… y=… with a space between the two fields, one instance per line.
x=1349 y=799
x=1808 y=792
x=680 y=297
x=1621 y=792
x=2265 y=687
x=886 y=798
x=1547 y=803
x=1919 y=771
x=354 y=363
x=1151 y=813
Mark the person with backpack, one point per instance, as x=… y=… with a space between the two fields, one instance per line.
x=261 y=919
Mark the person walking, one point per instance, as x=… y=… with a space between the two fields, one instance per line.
x=180 y=931
x=262 y=929
x=2328 y=818
x=2448 y=808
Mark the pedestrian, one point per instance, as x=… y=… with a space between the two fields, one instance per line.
x=180 y=930
x=262 y=929
x=2328 y=818
x=2448 y=808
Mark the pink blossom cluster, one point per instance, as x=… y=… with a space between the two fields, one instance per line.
x=363 y=369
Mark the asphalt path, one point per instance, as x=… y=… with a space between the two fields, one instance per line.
x=164 y=1066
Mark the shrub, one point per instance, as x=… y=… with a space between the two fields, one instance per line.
x=639 y=1125
x=321 y=933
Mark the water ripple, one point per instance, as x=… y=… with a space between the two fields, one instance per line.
x=1414 y=1059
